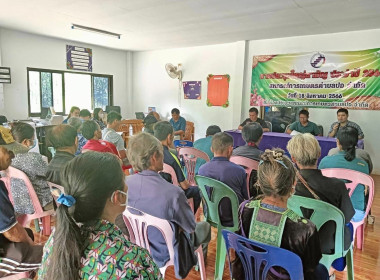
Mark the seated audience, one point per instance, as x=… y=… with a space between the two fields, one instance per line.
x=91 y=131
x=204 y=145
x=360 y=153
x=85 y=115
x=304 y=125
x=74 y=112
x=150 y=193
x=163 y=131
x=305 y=151
x=277 y=178
x=64 y=139
x=98 y=117
x=342 y=116
x=149 y=121
x=252 y=134
x=347 y=138
x=178 y=123
x=86 y=241
x=17 y=250
x=253 y=117
x=110 y=135
x=7 y=141
x=231 y=174
x=34 y=166
x=77 y=124
x=155 y=114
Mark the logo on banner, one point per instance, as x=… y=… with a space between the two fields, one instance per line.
x=317 y=60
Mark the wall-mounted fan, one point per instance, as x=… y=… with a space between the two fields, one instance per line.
x=175 y=72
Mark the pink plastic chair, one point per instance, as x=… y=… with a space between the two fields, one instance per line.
x=356 y=178
x=190 y=156
x=248 y=164
x=138 y=228
x=170 y=170
x=17 y=276
x=25 y=219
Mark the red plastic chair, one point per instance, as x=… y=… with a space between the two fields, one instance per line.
x=190 y=156
x=248 y=164
x=355 y=178
x=25 y=219
x=138 y=224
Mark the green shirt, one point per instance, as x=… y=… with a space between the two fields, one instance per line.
x=309 y=128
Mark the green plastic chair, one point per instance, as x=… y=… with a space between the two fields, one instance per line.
x=220 y=190
x=324 y=212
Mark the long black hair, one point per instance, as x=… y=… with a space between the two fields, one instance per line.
x=348 y=138
x=96 y=113
x=90 y=178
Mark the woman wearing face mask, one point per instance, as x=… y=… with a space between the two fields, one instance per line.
x=86 y=241
x=34 y=167
x=99 y=117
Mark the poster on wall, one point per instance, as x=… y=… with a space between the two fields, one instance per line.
x=217 y=90
x=349 y=79
x=192 y=90
x=78 y=58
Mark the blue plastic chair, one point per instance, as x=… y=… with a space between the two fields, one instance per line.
x=182 y=143
x=262 y=257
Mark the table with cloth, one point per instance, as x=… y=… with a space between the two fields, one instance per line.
x=280 y=140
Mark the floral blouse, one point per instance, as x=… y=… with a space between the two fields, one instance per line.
x=108 y=255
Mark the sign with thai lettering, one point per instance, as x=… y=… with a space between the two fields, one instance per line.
x=348 y=79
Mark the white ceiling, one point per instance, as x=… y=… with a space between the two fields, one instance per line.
x=158 y=24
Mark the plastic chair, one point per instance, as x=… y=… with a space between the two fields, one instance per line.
x=324 y=212
x=262 y=256
x=269 y=124
x=138 y=224
x=220 y=190
x=170 y=170
x=17 y=276
x=189 y=131
x=25 y=219
x=182 y=143
x=355 y=178
x=248 y=164
x=190 y=156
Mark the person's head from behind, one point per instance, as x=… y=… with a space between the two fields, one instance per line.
x=253 y=113
x=23 y=133
x=155 y=114
x=252 y=133
x=76 y=123
x=91 y=130
x=74 y=112
x=304 y=150
x=85 y=114
x=113 y=120
x=347 y=139
x=342 y=115
x=303 y=116
x=175 y=114
x=145 y=152
x=98 y=114
x=96 y=182
x=163 y=131
x=212 y=130
x=222 y=145
x=149 y=122
x=276 y=175
x=63 y=137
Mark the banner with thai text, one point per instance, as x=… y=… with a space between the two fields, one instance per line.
x=348 y=79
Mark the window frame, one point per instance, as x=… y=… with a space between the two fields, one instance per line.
x=62 y=72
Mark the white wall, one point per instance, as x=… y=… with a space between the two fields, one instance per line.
x=20 y=50
x=348 y=41
x=153 y=87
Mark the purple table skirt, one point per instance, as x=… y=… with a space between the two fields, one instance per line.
x=280 y=140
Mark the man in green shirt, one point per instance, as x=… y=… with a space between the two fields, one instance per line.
x=304 y=125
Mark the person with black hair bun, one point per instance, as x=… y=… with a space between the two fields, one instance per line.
x=347 y=139
x=276 y=177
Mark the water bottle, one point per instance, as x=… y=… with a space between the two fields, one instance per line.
x=130 y=130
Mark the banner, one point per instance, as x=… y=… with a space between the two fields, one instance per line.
x=321 y=79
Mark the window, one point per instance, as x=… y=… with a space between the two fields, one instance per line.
x=63 y=89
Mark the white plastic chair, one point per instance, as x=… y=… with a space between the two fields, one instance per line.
x=25 y=219
x=138 y=230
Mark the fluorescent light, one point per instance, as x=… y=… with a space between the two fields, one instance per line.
x=90 y=29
